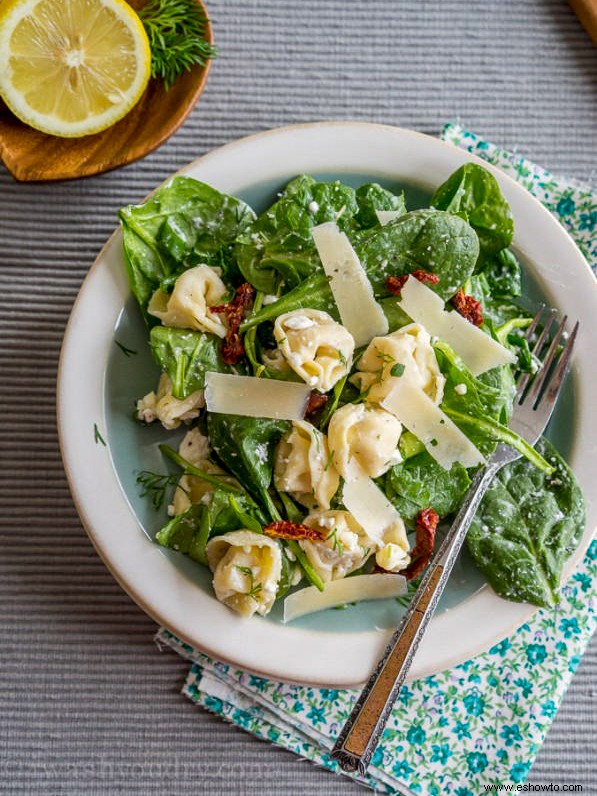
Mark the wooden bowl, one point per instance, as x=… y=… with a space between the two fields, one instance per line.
x=32 y=156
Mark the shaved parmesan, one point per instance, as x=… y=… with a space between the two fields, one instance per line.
x=387 y=216
x=345 y=590
x=442 y=437
x=252 y=397
x=478 y=350
x=360 y=313
x=370 y=507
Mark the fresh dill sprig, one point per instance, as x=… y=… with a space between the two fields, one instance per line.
x=255 y=589
x=176 y=33
x=155 y=485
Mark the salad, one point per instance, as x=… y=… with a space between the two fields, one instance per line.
x=342 y=366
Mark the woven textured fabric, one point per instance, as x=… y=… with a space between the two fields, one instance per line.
x=87 y=704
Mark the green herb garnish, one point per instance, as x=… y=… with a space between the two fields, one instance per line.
x=176 y=32
x=155 y=485
x=255 y=589
x=397 y=369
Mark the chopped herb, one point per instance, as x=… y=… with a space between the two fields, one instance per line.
x=329 y=461
x=341 y=357
x=397 y=369
x=255 y=589
x=337 y=546
x=384 y=357
x=97 y=436
x=156 y=484
x=433 y=442
x=126 y=351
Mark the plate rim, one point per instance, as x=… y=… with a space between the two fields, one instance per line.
x=485 y=600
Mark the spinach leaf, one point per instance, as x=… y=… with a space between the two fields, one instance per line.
x=503 y=275
x=474 y=192
x=246 y=446
x=190 y=531
x=419 y=483
x=313 y=292
x=490 y=395
x=526 y=527
x=439 y=242
x=482 y=412
x=371 y=197
x=278 y=246
x=496 y=309
x=394 y=313
x=184 y=223
x=186 y=357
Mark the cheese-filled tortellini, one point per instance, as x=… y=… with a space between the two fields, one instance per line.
x=191 y=489
x=363 y=440
x=393 y=552
x=317 y=348
x=247 y=568
x=195 y=291
x=343 y=548
x=303 y=466
x=170 y=411
x=406 y=354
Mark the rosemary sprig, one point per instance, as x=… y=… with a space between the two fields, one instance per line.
x=176 y=33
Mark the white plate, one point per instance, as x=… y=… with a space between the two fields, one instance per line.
x=162 y=589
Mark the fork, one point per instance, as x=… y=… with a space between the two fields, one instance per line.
x=534 y=403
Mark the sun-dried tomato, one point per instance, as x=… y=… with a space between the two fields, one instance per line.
x=468 y=307
x=284 y=529
x=233 y=349
x=425 y=528
x=234 y=310
x=315 y=404
x=396 y=283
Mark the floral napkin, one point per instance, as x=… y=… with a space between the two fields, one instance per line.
x=480 y=723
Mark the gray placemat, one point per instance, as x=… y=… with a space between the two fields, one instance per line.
x=87 y=703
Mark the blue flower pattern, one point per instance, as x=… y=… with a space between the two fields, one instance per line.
x=480 y=722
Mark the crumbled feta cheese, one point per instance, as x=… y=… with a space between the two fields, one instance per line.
x=460 y=389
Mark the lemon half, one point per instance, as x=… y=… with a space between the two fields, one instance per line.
x=71 y=67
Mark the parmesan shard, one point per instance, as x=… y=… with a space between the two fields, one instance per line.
x=370 y=507
x=252 y=397
x=440 y=435
x=359 y=311
x=478 y=350
x=346 y=590
x=387 y=216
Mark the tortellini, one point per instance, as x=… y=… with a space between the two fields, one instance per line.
x=195 y=291
x=170 y=411
x=191 y=489
x=317 y=348
x=363 y=440
x=406 y=353
x=303 y=466
x=247 y=568
x=344 y=547
x=393 y=554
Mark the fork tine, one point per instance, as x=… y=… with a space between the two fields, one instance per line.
x=541 y=376
x=550 y=396
x=523 y=379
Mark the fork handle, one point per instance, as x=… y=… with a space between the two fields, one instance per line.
x=360 y=735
